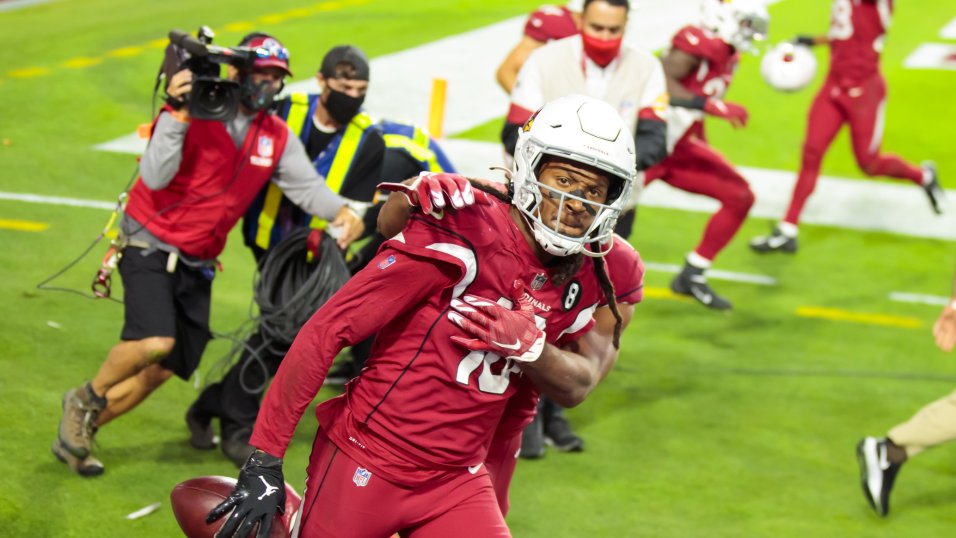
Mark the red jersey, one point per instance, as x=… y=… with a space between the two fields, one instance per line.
x=423 y=405
x=549 y=23
x=857 y=31
x=718 y=61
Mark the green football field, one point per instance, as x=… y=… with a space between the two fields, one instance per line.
x=741 y=424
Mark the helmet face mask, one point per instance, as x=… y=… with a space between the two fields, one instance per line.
x=739 y=23
x=590 y=136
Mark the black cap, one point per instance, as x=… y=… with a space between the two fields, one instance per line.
x=345 y=54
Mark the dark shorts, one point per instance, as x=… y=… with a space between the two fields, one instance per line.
x=159 y=303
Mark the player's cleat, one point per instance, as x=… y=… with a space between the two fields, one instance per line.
x=201 y=436
x=775 y=242
x=877 y=473
x=78 y=423
x=934 y=191
x=236 y=446
x=532 y=440
x=88 y=466
x=558 y=433
x=691 y=281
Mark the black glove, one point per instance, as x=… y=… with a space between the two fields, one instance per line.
x=805 y=40
x=258 y=494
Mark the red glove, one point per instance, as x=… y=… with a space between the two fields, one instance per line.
x=513 y=334
x=732 y=112
x=432 y=191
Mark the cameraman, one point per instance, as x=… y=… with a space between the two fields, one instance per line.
x=345 y=146
x=197 y=179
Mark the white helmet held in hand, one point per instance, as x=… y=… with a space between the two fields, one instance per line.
x=587 y=131
x=736 y=22
x=788 y=67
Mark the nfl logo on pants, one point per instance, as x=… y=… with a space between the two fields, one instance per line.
x=361 y=477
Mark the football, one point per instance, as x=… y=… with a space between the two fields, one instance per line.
x=194 y=498
x=788 y=67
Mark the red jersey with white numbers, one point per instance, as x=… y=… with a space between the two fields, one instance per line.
x=548 y=23
x=718 y=61
x=857 y=31
x=423 y=406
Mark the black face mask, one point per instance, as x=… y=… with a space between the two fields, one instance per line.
x=256 y=96
x=341 y=106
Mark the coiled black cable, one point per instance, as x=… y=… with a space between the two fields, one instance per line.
x=288 y=290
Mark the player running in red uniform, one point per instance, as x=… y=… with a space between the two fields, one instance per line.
x=407 y=441
x=699 y=67
x=854 y=93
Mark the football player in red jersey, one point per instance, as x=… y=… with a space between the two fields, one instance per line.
x=854 y=93
x=699 y=67
x=464 y=304
x=545 y=24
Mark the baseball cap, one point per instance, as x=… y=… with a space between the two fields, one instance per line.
x=269 y=52
x=345 y=54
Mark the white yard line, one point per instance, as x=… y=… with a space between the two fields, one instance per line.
x=905 y=297
x=11 y=5
x=56 y=200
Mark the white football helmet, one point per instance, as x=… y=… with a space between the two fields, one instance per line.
x=788 y=67
x=736 y=22
x=585 y=130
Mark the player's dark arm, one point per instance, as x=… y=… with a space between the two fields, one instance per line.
x=650 y=139
x=811 y=40
x=567 y=375
x=677 y=65
x=395 y=212
x=509 y=136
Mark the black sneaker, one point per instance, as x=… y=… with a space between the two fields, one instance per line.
x=558 y=433
x=201 y=436
x=937 y=197
x=877 y=474
x=775 y=242
x=532 y=440
x=691 y=281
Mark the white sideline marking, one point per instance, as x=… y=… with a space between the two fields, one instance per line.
x=716 y=274
x=932 y=56
x=949 y=31
x=904 y=297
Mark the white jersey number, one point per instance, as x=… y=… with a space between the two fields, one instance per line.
x=487 y=380
x=841 y=20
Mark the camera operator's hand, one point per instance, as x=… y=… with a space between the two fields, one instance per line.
x=177 y=89
x=348 y=225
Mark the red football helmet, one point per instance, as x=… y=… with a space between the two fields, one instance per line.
x=194 y=498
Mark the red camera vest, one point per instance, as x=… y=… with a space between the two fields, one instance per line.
x=214 y=186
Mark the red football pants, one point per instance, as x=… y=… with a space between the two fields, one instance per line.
x=696 y=167
x=336 y=506
x=862 y=107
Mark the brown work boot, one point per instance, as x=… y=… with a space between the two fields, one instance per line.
x=88 y=466
x=78 y=424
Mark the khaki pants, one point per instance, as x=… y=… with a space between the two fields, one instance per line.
x=932 y=425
